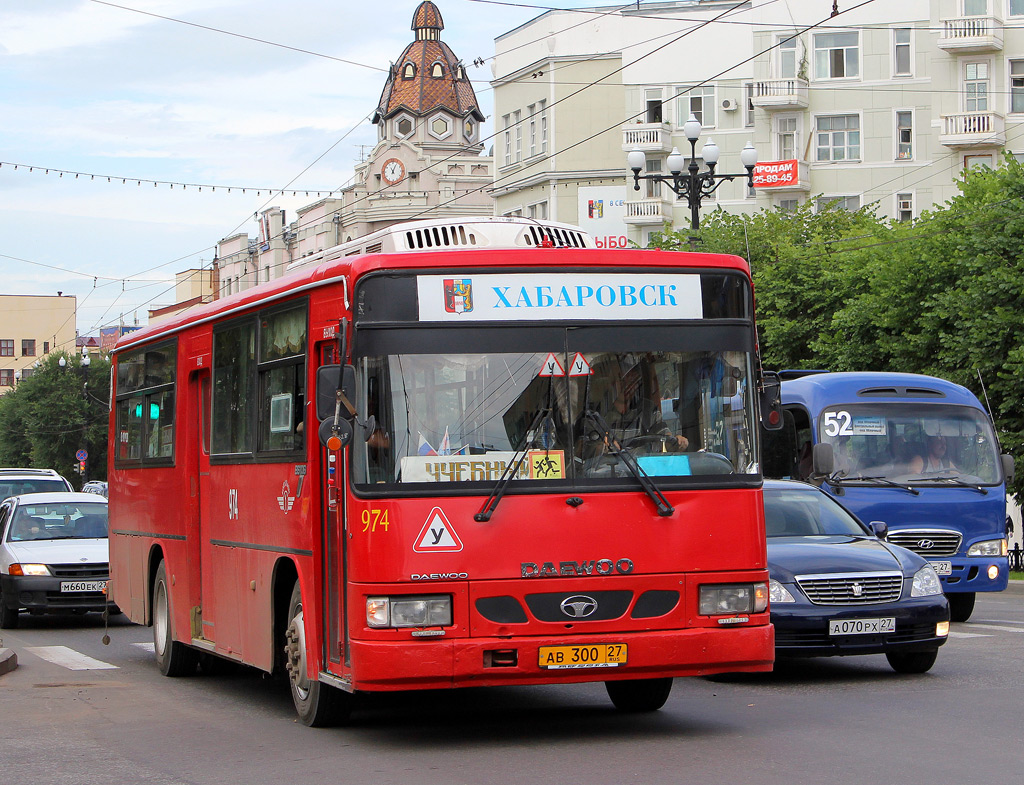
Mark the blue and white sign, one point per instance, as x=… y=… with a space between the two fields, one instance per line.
x=559 y=296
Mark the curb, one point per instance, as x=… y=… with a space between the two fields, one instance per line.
x=8 y=661
x=1015 y=587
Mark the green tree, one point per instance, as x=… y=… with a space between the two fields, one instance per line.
x=54 y=413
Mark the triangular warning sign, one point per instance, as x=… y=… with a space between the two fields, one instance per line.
x=437 y=535
x=580 y=366
x=551 y=366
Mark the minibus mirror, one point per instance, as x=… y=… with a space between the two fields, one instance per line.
x=880 y=528
x=328 y=378
x=771 y=401
x=1008 y=467
x=327 y=431
x=823 y=460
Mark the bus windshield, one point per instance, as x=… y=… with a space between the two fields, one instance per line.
x=915 y=443
x=461 y=418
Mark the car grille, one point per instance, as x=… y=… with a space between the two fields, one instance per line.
x=927 y=542
x=855 y=589
x=82 y=572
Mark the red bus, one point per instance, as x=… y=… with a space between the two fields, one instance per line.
x=452 y=454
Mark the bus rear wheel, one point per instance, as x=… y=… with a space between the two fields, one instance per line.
x=318 y=705
x=173 y=658
x=639 y=695
x=961 y=605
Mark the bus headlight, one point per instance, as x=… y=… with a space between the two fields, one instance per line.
x=779 y=593
x=28 y=569
x=926 y=582
x=719 y=599
x=989 y=548
x=432 y=610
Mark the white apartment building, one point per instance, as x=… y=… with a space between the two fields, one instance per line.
x=885 y=104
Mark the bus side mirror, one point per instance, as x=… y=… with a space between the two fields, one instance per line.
x=771 y=401
x=823 y=461
x=328 y=379
x=1008 y=467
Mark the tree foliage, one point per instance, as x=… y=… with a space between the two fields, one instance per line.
x=851 y=291
x=55 y=412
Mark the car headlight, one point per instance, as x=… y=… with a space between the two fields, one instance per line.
x=719 y=599
x=926 y=582
x=28 y=569
x=988 y=548
x=779 y=593
x=434 y=610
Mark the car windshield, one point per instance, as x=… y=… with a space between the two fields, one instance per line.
x=799 y=512
x=10 y=488
x=455 y=418
x=59 y=521
x=911 y=443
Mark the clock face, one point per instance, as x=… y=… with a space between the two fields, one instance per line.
x=393 y=171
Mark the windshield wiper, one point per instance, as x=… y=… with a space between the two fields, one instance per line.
x=837 y=479
x=512 y=467
x=664 y=508
x=956 y=482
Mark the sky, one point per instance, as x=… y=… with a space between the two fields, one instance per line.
x=196 y=96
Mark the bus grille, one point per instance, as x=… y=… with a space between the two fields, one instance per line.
x=927 y=542
x=854 y=589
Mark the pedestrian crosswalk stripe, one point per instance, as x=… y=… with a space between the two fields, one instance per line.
x=69 y=658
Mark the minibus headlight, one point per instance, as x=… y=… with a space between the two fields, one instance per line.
x=28 y=569
x=718 y=599
x=434 y=610
x=988 y=548
x=926 y=582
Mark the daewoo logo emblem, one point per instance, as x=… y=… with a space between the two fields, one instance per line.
x=578 y=606
x=926 y=544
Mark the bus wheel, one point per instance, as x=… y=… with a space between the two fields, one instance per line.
x=912 y=662
x=639 y=695
x=173 y=658
x=318 y=705
x=961 y=605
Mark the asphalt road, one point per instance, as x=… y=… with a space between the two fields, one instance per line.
x=114 y=719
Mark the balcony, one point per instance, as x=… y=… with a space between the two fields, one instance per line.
x=973 y=129
x=780 y=94
x=651 y=211
x=647 y=137
x=971 y=34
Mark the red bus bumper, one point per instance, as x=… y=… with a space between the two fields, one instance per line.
x=470 y=662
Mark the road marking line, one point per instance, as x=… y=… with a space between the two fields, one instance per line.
x=148 y=646
x=998 y=627
x=69 y=658
x=967 y=635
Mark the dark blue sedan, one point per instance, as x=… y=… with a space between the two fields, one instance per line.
x=837 y=588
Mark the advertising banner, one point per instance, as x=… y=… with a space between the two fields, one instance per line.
x=602 y=213
x=776 y=174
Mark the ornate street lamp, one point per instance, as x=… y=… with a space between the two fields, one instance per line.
x=692 y=185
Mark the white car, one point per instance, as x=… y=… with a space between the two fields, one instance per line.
x=53 y=554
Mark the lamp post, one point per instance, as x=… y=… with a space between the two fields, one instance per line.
x=692 y=185
x=83 y=371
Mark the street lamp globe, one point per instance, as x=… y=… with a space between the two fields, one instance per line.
x=692 y=128
x=748 y=155
x=637 y=160
x=710 y=152
x=62 y=362
x=676 y=161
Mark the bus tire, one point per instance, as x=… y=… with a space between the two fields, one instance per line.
x=318 y=705
x=639 y=695
x=173 y=658
x=961 y=605
x=912 y=662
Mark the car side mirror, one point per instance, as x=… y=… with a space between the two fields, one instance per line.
x=880 y=529
x=1008 y=467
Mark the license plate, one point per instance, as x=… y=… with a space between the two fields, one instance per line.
x=943 y=567
x=862 y=626
x=594 y=655
x=72 y=586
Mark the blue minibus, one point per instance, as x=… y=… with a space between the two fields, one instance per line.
x=914 y=456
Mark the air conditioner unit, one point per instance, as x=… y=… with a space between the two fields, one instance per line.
x=729 y=105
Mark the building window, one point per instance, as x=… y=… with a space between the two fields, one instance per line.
x=409 y=72
x=788 y=205
x=517 y=121
x=1016 y=7
x=787 y=62
x=975 y=87
x=978 y=161
x=7 y=347
x=506 y=124
x=404 y=126
x=904 y=135
x=786 y=138
x=653 y=187
x=901 y=52
x=748 y=108
x=975 y=7
x=904 y=207
x=700 y=102
x=543 y=107
x=46 y=347
x=538 y=211
x=531 y=134
x=842 y=202
x=1017 y=85
x=266 y=273
x=437 y=71
x=6 y=377
x=28 y=347
x=27 y=372
x=653 y=106
x=836 y=56
x=838 y=137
